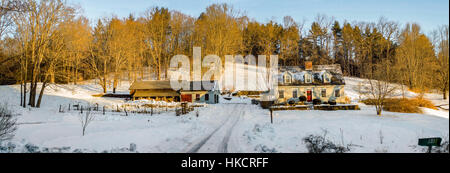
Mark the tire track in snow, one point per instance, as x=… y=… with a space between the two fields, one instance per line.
x=202 y=142
x=224 y=136
x=223 y=147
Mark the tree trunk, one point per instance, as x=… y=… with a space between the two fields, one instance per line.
x=104 y=76
x=159 y=71
x=52 y=76
x=104 y=85
x=41 y=93
x=21 y=93
x=115 y=82
x=24 y=104
x=76 y=76
x=444 y=94
x=33 y=98
x=31 y=93
x=379 y=111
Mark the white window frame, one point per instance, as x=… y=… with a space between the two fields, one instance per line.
x=326 y=78
x=281 y=92
x=321 y=92
x=295 y=90
x=308 y=78
x=286 y=77
x=338 y=93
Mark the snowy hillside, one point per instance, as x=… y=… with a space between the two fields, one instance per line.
x=353 y=84
x=231 y=126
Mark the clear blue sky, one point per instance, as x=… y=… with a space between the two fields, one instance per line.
x=428 y=13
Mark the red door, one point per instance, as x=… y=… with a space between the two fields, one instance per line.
x=309 y=95
x=186 y=97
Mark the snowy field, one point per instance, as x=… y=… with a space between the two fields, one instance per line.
x=231 y=126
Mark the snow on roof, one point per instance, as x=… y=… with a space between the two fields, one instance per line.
x=321 y=73
x=298 y=76
x=165 y=84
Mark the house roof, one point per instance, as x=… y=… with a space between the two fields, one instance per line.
x=298 y=77
x=144 y=93
x=335 y=68
x=150 y=85
x=165 y=84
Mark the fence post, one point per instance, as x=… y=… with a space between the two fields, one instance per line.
x=81 y=109
x=151 y=113
x=103 y=109
x=69 y=106
x=59 y=108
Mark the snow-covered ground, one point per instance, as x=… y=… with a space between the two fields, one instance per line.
x=353 y=84
x=232 y=126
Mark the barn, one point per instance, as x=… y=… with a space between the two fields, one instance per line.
x=162 y=91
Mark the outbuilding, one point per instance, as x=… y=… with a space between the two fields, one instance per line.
x=162 y=91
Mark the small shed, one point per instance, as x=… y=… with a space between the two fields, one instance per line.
x=162 y=90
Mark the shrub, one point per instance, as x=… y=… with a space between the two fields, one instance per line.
x=443 y=148
x=319 y=144
x=332 y=102
x=291 y=102
x=347 y=100
x=302 y=98
x=421 y=102
x=7 y=123
x=403 y=105
x=317 y=101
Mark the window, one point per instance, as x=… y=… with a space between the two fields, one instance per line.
x=326 y=78
x=197 y=97
x=281 y=94
x=206 y=97
x=308 y=78
x=287 y=78
x=337 y=93
x=294 y=93
x=324 y=93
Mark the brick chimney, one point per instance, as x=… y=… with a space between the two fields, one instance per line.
x=308 y=65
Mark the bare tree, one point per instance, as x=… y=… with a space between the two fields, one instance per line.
x=35 y=30
x=440 y=41
x=380 y=87
x=6 y=8
x=7 y=123
x=98 y=59
x=86 y=119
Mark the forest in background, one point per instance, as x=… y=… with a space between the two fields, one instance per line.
x=51 y=42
